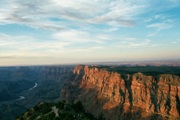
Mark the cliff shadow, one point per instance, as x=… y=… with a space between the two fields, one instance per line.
x=178 y=103
x=128 y=83
x=154 y=94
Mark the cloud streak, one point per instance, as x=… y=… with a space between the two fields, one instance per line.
x=36 y=13
x=29 y=46
x=134 y=43
x=159 y=26
x=33 y=13
x=78 y=36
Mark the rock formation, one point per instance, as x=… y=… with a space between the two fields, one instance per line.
x=124 y=96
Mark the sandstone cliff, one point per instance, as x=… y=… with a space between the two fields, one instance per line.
x=119 y=97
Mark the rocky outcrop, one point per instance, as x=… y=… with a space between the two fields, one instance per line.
x=119 y=97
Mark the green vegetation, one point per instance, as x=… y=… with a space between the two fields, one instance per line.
x=58 y=111
x=147 y=70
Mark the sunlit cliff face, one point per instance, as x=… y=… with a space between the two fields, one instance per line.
x=125 y=96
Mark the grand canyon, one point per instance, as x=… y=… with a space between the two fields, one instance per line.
x=111 y=92
x=89 y=60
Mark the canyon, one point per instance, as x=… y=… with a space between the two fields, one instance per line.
x=22 y=87
x=112 y=92
x=124 y=96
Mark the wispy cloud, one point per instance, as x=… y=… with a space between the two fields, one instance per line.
x=33 y=13
x=140 y=44
x=75 y=36
x=159 y=22
x=130 y=39
x=175 y=1
x=159 y=26
x=176 y=42
x=157 y=17
x=112 y=29
x=152 y=34
x=89 y=49
x=154 y=45
x=38 y=12
x=28 y=46
x=69 y=28
x=134 y=43
x=25 y=46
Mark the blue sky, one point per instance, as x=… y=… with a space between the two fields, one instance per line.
x=75 y=31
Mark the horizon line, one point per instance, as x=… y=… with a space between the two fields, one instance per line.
x=132 y=62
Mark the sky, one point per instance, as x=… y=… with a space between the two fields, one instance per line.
x=36 y=32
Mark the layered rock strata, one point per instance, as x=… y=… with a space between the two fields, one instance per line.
x=119 y=97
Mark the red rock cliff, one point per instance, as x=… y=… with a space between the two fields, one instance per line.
x=119 y=97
